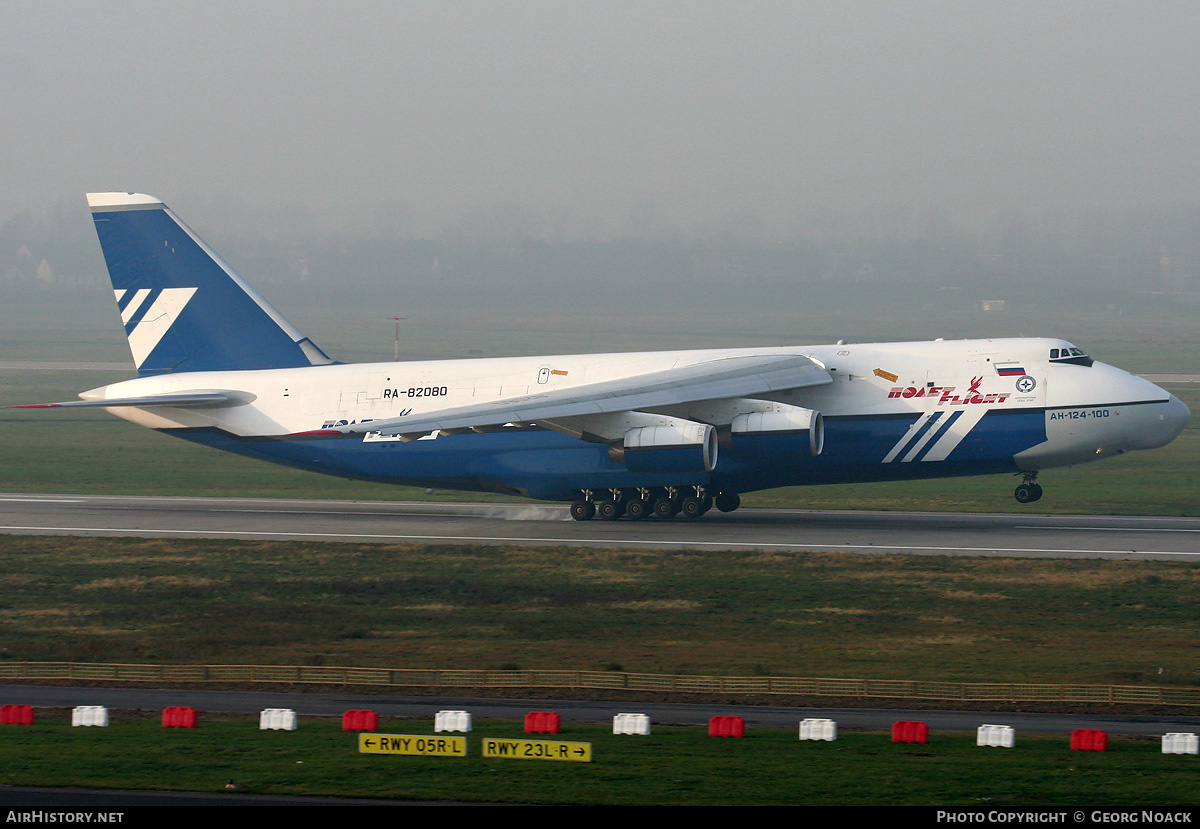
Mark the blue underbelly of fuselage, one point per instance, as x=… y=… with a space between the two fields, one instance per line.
x=544 y=464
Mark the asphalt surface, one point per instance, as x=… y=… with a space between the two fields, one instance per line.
x=1018 y=534
x=662 y=713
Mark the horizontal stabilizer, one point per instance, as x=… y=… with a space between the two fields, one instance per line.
x=190 y=401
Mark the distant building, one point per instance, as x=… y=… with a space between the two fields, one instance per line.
x=994 y=305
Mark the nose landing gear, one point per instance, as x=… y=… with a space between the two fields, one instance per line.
x=1028 y=491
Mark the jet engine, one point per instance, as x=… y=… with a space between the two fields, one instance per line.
x=781 y=420
x=682 y=446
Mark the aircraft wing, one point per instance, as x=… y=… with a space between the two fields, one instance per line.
x=710 y=380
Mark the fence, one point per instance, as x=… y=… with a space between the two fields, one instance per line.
x=605 y=680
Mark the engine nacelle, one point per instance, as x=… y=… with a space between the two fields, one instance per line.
x=681 y=447
x=782 y=420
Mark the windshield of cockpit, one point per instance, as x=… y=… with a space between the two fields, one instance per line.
x=1071 y=356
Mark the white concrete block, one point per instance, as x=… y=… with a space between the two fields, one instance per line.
x=631 y=724
x=996 y=736
x=1179 y=742
x=817 y=728
x=452 y=721
x=277 y=719
x=89 y=715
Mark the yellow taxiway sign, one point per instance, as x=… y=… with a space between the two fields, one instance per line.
x=369 y=743
x=537 y=750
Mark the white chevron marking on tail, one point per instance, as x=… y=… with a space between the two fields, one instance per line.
x=157 y=322
x=135 y=302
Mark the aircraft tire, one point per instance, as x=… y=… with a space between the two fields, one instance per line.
x=583 y=510
x=1027 y=493
x=665 y=508
x=692 y=508
x=610 y=510
x=637 y=509
x=727 y=501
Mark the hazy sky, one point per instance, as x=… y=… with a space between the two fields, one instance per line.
x=600 y=117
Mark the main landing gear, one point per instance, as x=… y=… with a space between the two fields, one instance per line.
x=691 y=502
x=1028 y=491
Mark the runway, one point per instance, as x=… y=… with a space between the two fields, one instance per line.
x=920 y=533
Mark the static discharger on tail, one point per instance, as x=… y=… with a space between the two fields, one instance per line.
x=618 y=435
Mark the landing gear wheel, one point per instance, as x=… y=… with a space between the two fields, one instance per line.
x=637 y=508
x=665 y=508
x=1027 y=493
x=692 y=508
x=727 y=501
x=583 y=510
x=610 y=510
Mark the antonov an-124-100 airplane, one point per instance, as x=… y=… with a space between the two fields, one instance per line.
x=617 y=435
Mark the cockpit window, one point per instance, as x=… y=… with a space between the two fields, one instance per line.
x=1071 y=356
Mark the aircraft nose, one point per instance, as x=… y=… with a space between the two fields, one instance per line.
x=1153 y=424
x=1160 y=425
x=1174 y=418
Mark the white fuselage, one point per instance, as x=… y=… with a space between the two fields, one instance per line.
x=1090 y=411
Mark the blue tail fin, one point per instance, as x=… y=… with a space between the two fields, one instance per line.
x=184 y=309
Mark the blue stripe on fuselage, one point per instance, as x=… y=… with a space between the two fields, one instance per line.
x=945 y=427
x=933 y=418
x=545 y=464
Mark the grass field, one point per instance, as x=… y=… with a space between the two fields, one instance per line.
x=672 y=766
x=653 y=611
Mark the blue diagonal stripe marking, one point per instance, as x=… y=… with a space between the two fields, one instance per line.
x=941 y=431
x=933 y=418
